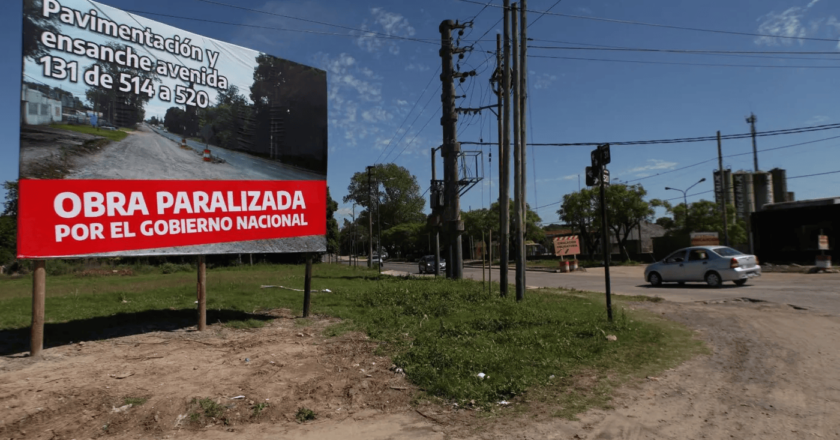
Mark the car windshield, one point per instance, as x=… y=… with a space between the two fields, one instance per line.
x=726 y=252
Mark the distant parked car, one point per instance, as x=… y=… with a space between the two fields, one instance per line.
x=105 y=125
x=712 y=264
x=427 y=264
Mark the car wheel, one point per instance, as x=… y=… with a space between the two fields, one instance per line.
x=655 y=279
x=681 y=283
x=740 y=282
x=713 y=280
x=422 y=270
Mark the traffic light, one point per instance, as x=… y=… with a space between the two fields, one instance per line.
x=604 y=154
x=591 y=176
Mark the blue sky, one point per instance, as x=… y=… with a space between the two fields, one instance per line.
x=374 y=85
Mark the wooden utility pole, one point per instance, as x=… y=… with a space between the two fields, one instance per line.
x=201 y=292
x=523 y=145
x=39 y=292
x=451 y=149
x=307 y=286
x=370 y=221
x=504 y=159
x=723 y=193
x=517 y=161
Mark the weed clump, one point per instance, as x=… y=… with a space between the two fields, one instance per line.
x=304 y=415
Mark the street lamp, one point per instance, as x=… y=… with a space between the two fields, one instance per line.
x=685 y=197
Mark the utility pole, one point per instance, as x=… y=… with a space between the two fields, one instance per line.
x=523 y=173
x=353 y=243
x=517 y=159
x=504 y=159
x=370 y=221
x=451 y=149
x=523 y=145
x=752 y=120
x=723 y=196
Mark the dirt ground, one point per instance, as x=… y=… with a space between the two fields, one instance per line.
x=772 y=374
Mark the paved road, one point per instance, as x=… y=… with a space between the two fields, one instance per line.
x=266 y=169
x=817 y=292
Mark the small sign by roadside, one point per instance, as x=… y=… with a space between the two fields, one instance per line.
x=823 y=243
x=564 y=246
x=704 y=239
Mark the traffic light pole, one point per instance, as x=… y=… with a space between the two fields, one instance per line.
x=606 y=246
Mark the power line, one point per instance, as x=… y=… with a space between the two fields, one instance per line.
x=732 y=155
x=812 y=175
x=543 y=14
x=764 y=66
x=364 y=31
x=407 y=115
x=689 y=51
x=306 y=31
x=416 y=134
x=431 y=97
x=667 y=26
x=797 y=130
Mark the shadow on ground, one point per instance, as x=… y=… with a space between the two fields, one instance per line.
x=700 y=286
x=115 y=326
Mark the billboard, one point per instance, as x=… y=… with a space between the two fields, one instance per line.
x=138 y=138
x=704 y=239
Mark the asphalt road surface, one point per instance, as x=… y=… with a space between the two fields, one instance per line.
x=264 y=169
x=816 y=292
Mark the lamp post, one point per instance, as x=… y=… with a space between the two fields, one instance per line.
x=685 y=197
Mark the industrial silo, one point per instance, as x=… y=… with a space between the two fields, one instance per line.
x=763 y=189
x=742 y=182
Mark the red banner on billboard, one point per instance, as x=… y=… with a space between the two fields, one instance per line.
x=59 y=218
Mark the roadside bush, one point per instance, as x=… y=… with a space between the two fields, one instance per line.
x=60 y=267
x=168 y=268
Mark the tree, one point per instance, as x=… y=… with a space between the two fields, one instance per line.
x=332 y=224
x=483 y=220
x=294 y=96
x=398 y=195
x=581 y=210
x=10 y=207
x=8 y=224
x=704 y=216
x=34 y=24
x=626 y=209
x=120 y=108
x=405 y=239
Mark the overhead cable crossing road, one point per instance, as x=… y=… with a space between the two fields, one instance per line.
x=682 y=140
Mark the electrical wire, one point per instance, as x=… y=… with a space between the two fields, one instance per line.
x=786 y=131
x=541 y=15
x=363 y=31
x=407 y=116
x=306 y=31
x=732 y=155
x=666 y=26
x=670 y=63
x=688 y=51
x=812 y=175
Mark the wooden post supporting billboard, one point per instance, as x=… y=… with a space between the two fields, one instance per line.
x=201 y=291
x=307 y=285
x=39 y=291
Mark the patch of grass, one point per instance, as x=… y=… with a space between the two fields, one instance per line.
x=258 y=408
x=247 y=323
x=114 y=135
x=339 y=329
x=441 y=332
x=640 y=298
x=135 y=401
x=205 y=408
x=304 y=414
x=303 y=322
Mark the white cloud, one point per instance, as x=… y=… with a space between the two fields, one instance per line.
x=346 y=211
x=654 y=164
x=402 y=102
x=355 y=97
x=418 y=67
x=817 y=120
x=542 y=80
x=383 y=22
x=791 y=24
x=589 y=11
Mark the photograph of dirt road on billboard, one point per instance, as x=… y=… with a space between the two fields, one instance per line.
x=110 y=95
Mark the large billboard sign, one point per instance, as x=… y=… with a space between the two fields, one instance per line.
x=138 y=138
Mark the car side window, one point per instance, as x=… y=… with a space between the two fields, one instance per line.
x=698 y=255
x=676 y=257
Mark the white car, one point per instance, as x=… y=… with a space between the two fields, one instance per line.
x=710 y=264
